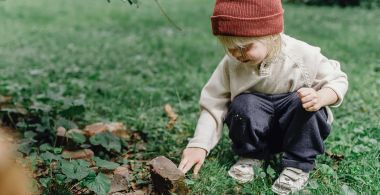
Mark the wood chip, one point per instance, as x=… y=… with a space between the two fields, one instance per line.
x=166 y=177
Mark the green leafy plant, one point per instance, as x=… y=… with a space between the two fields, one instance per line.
x=39 y=122
x=99 y=184
x=107 y=140
x=75 y=169
x=105 y=164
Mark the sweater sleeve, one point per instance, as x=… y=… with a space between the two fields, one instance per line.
x=213 y=104
x=329 y=75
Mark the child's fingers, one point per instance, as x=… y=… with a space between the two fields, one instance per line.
x=311 y=109
x=182 y=164
x=188 y=166
x=304 y=92
x=197 y=167
x=308 y=98
x=309 y=104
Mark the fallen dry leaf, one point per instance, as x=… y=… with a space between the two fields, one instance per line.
x=96 y=128
x=172 y=116
x=93 y=129
x=116 y=126
x=79 y=154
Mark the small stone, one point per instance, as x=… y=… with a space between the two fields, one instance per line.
x=79 y=154
x=166 y=177
x=120 y=179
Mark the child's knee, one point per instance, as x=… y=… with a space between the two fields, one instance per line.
x=242 y=104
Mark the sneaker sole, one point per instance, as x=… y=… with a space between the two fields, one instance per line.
x=239 y=180
x=280 y=192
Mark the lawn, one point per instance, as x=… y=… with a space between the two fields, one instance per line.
x=126 y=63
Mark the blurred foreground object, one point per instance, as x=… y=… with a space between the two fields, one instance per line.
x=14 y=177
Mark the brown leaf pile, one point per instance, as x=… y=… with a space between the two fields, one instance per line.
x=16 y=179
x=122 y=182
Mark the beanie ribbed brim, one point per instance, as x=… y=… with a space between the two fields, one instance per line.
x=247 y=27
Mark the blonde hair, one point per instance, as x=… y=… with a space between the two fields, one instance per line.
x=273 y=42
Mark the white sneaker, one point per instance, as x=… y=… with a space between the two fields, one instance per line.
x=242 y=171
x=290 y=180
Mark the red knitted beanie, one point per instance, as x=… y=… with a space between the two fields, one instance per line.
x=247 y=18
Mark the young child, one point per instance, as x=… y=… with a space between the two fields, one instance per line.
x=271 y=90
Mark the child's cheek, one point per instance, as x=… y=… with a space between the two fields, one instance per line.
x=257 y=53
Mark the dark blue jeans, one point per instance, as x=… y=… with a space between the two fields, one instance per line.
x=261 y=125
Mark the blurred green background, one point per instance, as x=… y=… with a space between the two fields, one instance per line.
x=127 y=62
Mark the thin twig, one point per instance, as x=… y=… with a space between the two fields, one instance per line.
x=167 y=17
x=75 y=185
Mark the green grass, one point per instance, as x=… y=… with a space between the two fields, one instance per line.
x=128 y=62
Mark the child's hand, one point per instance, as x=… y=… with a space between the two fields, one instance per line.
x=191 y=156
x=310 y=99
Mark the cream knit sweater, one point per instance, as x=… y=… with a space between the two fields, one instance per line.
x=298 y=65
